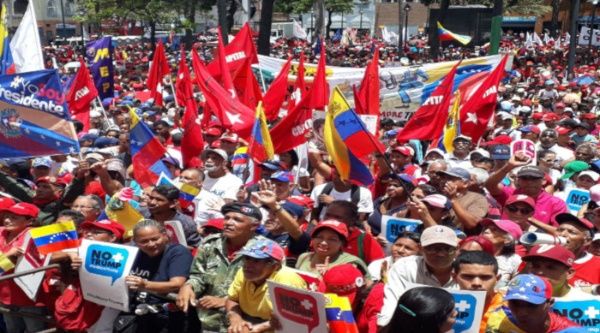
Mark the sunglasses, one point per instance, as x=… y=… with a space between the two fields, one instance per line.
x=523 y=211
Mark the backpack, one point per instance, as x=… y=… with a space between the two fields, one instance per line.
x=354 y=196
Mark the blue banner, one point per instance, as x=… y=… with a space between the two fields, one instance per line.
x=583 y=312
x=391 y=226
x=576 y=199
x=34 y=119
x=99 y=57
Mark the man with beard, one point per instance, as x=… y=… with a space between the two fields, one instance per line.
x=219 y=181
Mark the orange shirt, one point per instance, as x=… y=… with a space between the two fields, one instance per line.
x=495 y=303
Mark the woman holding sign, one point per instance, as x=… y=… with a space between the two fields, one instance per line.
x=394 y=202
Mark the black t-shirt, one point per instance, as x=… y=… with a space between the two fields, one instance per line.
x=176 y=260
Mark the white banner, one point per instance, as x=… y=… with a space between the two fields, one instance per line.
x=584 y=37
x=31 y=259
x=102 y=275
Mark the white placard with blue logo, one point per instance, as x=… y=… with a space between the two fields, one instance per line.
x=102 y=275
x=469 y=307
x=585 y=312
x=576 y=199
x=392 y=226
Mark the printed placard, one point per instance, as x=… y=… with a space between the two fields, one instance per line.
x=469 y=305
x=175 y=232
x=525 y=146
x=298 y=310
x=576 y=199
x=584 y=312
x=102 y=275
x=392 y=226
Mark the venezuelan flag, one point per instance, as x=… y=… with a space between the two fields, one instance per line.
x=55 y=237
x=7 y=65
x=452 y=128
x=5 y=264
x=347 y=140
x=447 y=35
x=260 y=147
x=339 y=314
x=146 y=152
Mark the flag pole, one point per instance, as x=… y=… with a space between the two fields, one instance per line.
x=174 y=94
x=262 y=78
x=102 y=107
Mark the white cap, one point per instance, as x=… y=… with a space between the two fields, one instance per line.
x=595 y=176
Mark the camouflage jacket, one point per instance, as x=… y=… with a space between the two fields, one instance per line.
x=211 y=275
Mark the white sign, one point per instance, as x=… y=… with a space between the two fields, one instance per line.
x=298 y=310
x=102 y=275
x=584 y=37
x=31 y=259
x=175 y=232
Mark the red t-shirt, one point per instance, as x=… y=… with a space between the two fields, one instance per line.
x=367 y=318
x=371 y=249
x=10 y=292
x=587 y=271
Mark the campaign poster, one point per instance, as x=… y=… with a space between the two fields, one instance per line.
x=525 y=146
x=298 y=310
x=391 y=226
x=576 y=199
x=102 y=275
x=175 y=232
x=469 y=305
x=585 y=312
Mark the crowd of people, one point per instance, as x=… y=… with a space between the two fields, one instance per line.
x=474 y=206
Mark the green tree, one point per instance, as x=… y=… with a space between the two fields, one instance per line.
x=336 y=6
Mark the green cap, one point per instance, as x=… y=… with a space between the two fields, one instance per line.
x=574 y=167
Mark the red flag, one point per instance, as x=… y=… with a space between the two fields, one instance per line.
x=232 y=114
x=476 y=112
x=319 y=91
x=83 y=92
x=275 y=96
x=239 y=51
x=247 y=87
x=367 y=101
x=428 y=121
x=226 y=79
x=299 y=86
x=192 y=143
x=291 y=131
x=158 y=70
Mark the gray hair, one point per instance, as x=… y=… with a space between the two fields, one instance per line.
x=96 y=201
x=149 y=223
x=441 y=162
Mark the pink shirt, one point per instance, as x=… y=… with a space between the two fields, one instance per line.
x=546 y=205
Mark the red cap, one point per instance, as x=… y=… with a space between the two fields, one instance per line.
x=554 y=252
x=507 y=226
x=562 y=130
x=230 y=137
x=404 y=150
x=550 y=117
x=6 y=203
x=566 y=217
x=520 y=198
x=217 y=223
x=538 y=116
x=24 y=209
x=559 y=105
x=214 y=131
x=502 y=139
x=334 y=225
x=588 y=116
x=342 y=280
x=302 y=200
x=51 y=180
x=113 y=226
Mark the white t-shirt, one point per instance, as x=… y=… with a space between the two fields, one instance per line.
x=225 y=187
x=365 y=203
x=207 y=206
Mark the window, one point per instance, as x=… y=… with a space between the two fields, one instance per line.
x=51 y=10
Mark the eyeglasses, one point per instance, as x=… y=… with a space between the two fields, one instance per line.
x=514 y=209
x=548 y=136
x=439 y=249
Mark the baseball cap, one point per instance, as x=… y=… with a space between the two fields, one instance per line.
x=334 y=225
x=293 y=209
x=282 y=176
x=51 y=180
x=478 y=153
x=408 y=179
x=217 y=223
x=439 y=234
x=213 y=131
x=242 y=208
x=41 y=162
x=113 y=226
x=271 y=165
x=6 y=203
x=115 y=164
x=537 y=116
x=24 y=209
x=500 y=152
x=462 y=137
x=550 y=117
x=217 y=151
x=567 y=217
x=230 y=137
x=530 y=129
x=404 y=150
x=435 y=151
x=263 y=249
x=553 y=252
x=529 y=288
x=530 y=171
x=501 y=139
x=574 y=167
x=507 y=226
x=457 y=173
x=583 y=125
x=302 y=200
x=588 y=116
x=94 y=157
x=342 y=280
x=520 y=198
x=562 y=130
x=505 y=115
x=438 y=200
x=592 y=174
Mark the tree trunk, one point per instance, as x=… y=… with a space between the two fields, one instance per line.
x=153 y=35
x=554 y=30
x=328 y=26
x=233 y=6
x=434 y=42
x=264 y=34
x=320 y=21
x=189 y=32
x=222 y=13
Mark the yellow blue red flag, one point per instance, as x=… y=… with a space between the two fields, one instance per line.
x=5 y=264
x=447 y=35
x=55 y=237
x=260 y=147
x=339 y=314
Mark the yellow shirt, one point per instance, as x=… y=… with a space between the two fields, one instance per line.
x=255 y=301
